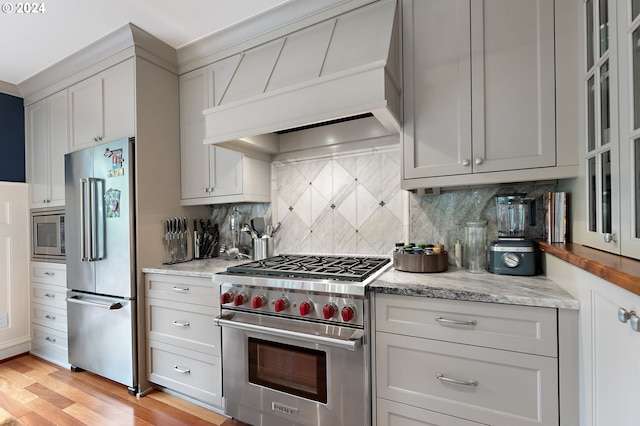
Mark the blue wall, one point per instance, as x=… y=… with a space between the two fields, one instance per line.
x=12 y=150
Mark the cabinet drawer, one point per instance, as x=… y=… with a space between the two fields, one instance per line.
x=392 y=413
x=49 y=295
x=49 y=273
x=48 y=337
x=199 y=291
x=49 y=316
x=194 y=374
x=184 y=325
x=516 y=328
x=510 y=387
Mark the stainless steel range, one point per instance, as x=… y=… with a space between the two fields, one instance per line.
x=295 y=339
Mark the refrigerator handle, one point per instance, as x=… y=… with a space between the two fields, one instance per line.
x=108 y=305
x=83 y=216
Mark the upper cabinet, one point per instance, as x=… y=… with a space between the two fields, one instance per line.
x=480 y=102
x=209 y=174
x=102 y=107
x=47 y=141
x=609 y=185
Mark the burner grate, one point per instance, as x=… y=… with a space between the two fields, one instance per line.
x=308 y=266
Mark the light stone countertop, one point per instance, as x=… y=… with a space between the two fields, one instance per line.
x=199 y=268
x=454 y=284
x=458 y=284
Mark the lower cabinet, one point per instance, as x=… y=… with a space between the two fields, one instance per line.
x=48 y=283
x=183 y=342
x=439 y=362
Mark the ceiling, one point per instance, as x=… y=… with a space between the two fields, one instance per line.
x=32 y=42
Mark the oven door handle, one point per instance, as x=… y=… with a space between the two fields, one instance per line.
x=352 y=343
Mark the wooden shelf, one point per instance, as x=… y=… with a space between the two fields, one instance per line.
x=619 y=270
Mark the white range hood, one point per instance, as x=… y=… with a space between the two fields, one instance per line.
x=338 y=68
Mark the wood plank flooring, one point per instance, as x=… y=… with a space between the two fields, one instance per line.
x=39 y=393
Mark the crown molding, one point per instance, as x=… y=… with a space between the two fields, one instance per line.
x=121 y=44
x=9 y=89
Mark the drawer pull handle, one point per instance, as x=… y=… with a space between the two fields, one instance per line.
x=441 y=320
x=50 y=317
x=51 y=274
x=181 y=370
x=181 y=323
x=50 y=339
x=50 y=295
x=445 y=379
x=181 y=289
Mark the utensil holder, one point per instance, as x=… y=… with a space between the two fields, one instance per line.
x=262 y=248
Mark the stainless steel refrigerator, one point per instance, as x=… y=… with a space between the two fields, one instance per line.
x=101 y=267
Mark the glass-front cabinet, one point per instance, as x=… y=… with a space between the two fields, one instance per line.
x=610 y=137
x=629 y=41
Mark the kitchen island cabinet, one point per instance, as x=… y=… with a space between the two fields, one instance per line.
x=209 y=174
x=47 y=141
x=184 y=344
x=485 y=99
x=48 y=283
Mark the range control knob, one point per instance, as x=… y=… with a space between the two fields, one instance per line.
x=281 y=304
x=227 y=297
x=306 y=307
x=240 y=299
x=258 y=301
x=329 y=311
x=348 y=313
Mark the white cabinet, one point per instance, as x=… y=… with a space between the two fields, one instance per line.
x=184 y=344
x=609 y=190
x=209 y=174
x=465 y=362
x=102 y=107
x=609 y=369
x=48 y=285
x=479 y=94
x=47 y=141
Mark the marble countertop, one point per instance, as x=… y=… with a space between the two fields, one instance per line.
x=454 y=284
x=204 y=268
x=458 y=284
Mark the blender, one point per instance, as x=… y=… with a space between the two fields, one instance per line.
x=511 y=253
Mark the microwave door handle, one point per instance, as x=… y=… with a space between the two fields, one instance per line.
x=83 y=223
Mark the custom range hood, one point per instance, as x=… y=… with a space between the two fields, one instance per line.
x=336 y=69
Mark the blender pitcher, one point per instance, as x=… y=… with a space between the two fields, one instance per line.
x=511 y=214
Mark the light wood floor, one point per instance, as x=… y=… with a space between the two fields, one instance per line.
x=39 y=393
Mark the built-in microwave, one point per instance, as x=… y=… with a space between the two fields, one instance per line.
x=47 y=234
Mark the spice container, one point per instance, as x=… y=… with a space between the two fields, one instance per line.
x=422 y=258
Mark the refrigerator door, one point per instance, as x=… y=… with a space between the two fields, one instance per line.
x=116 y=269
x=80 y=272
x=99 y=214
x=101 y=336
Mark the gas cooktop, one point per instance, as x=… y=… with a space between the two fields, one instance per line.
x=342 y=268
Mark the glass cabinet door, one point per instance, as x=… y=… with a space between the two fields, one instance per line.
x=629 y=41
x=600 y=147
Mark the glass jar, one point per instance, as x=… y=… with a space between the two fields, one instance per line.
x=477 y=246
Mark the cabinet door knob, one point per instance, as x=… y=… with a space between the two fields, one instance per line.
x=478 y=161
x=623 y=315
x=634 y=322
x=610 y=237
x=465 y=162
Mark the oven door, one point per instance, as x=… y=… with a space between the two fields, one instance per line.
x=288 y=372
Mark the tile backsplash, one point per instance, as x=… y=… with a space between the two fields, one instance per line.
x=351 y=203
x=339 y=204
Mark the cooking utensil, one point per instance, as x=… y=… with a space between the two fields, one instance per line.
x=257 y=223
x=276 y=228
